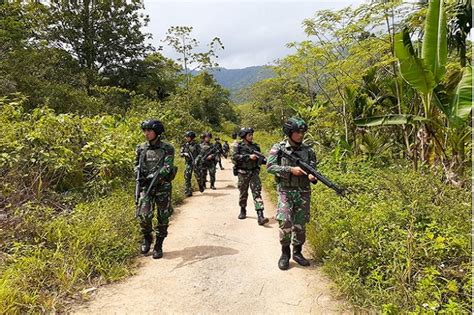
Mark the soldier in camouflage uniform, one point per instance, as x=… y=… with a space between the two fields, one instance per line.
x=220 y=152
x=294 y=190
x=190 y=151
x=154 y=157
x=226 y=148
x=248 y=168
x=206 y=160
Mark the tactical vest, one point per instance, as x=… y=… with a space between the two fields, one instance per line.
x=152 y=158
x=294 y=182
x=191 y=148
x=246 y=149
x=206 y=147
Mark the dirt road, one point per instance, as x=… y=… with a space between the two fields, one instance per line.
x=215 y=263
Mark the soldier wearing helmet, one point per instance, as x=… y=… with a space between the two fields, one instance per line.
x=154 y=158
x=190 y=150
x=206 y=160
x=294 y=191
x=247 y=168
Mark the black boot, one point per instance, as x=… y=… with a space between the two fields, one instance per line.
x=243 y=213
x=284 y=262
x=213 y=187
x=260 y=218
x=298 y=256
x=146 y=244
x=158 y=248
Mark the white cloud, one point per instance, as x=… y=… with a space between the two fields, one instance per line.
x=253 y=32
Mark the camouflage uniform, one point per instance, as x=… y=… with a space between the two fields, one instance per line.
x=248 y=174
x=293 y=192
x=190 y=151
x=157 y=157
x=220 y=152
x=205 y=165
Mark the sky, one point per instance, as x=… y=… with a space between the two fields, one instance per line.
x=253 y=32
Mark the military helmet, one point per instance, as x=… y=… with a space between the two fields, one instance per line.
x=206 y=134
x=190 y=134
x=245 y=131
x=234 y=135
x=294 y=124
x=154 y=125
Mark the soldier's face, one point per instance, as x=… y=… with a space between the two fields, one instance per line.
x=149 y=134
x=297 y=136
x=249 y=137
x=207 y=139
x=188 y=139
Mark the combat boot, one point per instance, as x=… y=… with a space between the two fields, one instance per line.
x=298 y=256
x=284 y=262
x=158 y=248
x=260 y=218
x=213 y=187
x=146 y=244
x=243 y=213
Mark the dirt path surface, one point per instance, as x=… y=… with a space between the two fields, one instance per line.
x=215 y=263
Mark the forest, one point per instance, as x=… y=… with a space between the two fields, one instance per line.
x=385 y=87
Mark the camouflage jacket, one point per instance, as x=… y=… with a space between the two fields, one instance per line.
x=190 y=151
x=205 y=148
x=241 y=156
x=158 y=157
x=280 y=167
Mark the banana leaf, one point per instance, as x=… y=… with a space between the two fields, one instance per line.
x=388 y=120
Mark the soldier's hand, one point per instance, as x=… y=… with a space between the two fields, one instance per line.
x=253 y=157
x=312 y=178
x=297 y=171
x=210 y=157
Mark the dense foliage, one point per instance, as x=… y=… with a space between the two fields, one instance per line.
x=386 y=91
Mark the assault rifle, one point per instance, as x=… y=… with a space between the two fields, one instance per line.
x=261 y=158
x=342 y=192
x=201 y=158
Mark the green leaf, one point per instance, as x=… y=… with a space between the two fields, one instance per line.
x=412 y=68
x=435 y=47
x=461 y=105
x=388 y=120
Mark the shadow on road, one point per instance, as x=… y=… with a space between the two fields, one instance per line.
x=194 y=254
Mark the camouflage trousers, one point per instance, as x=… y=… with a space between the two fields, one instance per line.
x=252 y=180
x=188 y=174
x=292 y=215
x=161 y=202
x=208 y=167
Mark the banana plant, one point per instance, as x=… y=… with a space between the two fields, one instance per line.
x=425 y=72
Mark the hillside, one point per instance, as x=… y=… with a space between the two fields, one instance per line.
x=236 y=79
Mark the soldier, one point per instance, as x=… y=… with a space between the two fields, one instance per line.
x=294 y=190
x=206 y=160
x=154 y=158
x=247 y=166
x=220 y=152
x=225 y=148
x=190 y=151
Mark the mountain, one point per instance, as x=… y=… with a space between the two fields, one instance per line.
x=236 y=79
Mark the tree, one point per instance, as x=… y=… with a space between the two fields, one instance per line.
x=179 y=38
x=155 y=76
x=101 y=35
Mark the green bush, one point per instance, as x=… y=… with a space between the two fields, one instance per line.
x=61 y=253
x=405 y=244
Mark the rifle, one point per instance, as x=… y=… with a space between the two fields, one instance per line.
x=203 y=157
x=262 y=159
x=342 y=192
